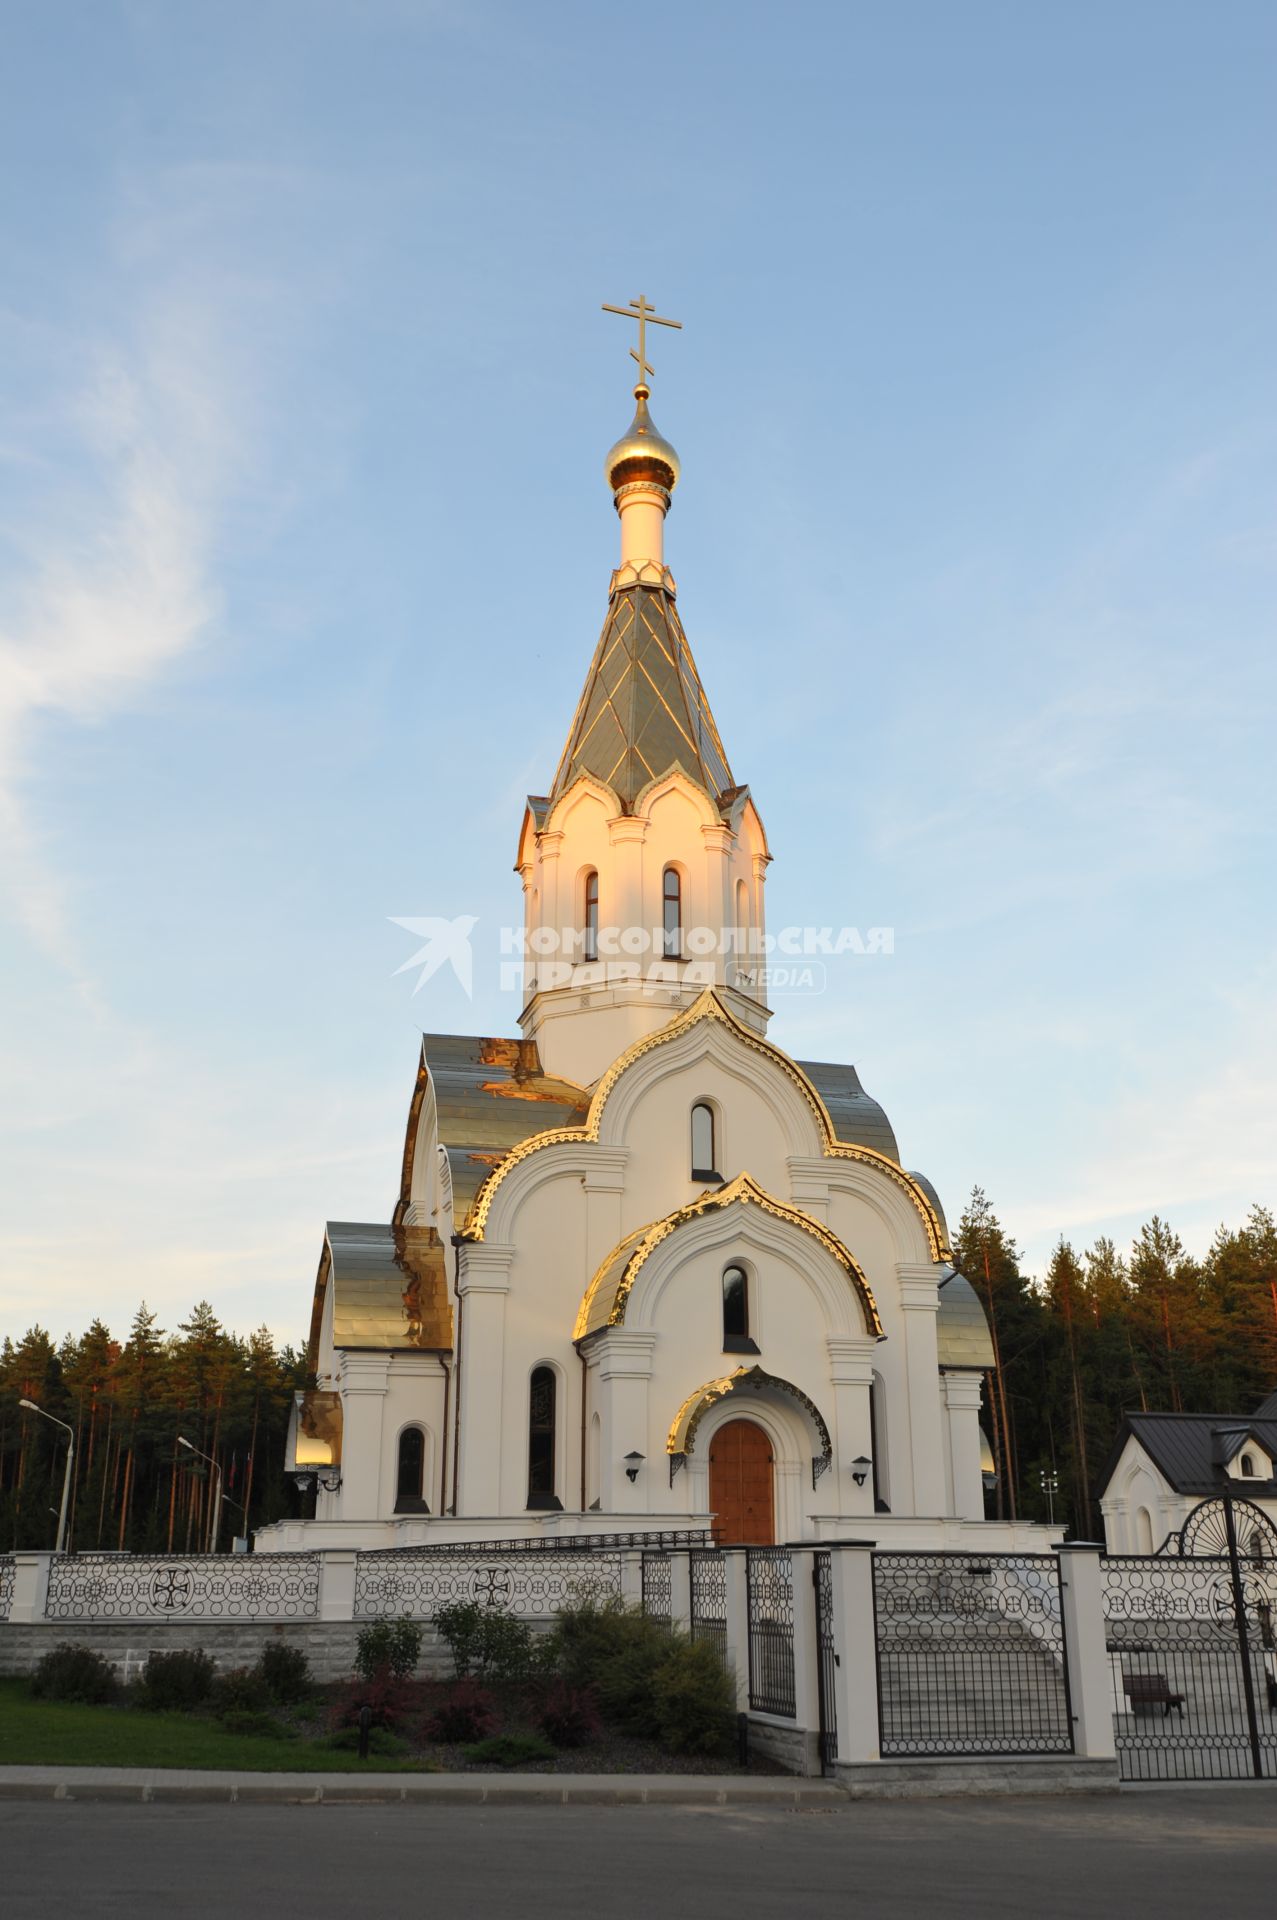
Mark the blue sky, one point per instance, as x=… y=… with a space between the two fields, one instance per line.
x=304 y=392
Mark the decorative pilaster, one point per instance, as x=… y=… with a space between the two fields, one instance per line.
x=919 y=1298
x=962 y=1409
x=483 y=1281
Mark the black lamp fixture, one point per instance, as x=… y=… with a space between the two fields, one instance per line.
x=860 y=1469
x=633 y=1461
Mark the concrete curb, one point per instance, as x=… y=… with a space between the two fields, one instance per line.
x=162 y=1786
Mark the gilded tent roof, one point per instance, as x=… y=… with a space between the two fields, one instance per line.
x=389 y=1289
x=856 y=1118
x=490 y=1095
x=962 y=1332
x=608 y=1292
x=643 y=709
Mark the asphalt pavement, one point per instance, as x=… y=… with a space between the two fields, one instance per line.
x=1185 y=1852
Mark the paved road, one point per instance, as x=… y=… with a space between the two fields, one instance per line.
x=1195 y=1852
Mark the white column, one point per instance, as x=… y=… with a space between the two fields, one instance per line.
x=962 y=1410
x=337 y=1584
x=680 y=1591
x=1090 y=1687
x=624 y=1362
x=362 y=1379
x=856 y=1675
x=806 y=1647
x=920 y=1301
x=632 y=1576
x=738 y=1624
x=30 y=1587
x=483 y=1281
x=851 y=1359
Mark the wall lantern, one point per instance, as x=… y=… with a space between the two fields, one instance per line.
x=633 y=1461
x=860 y=1469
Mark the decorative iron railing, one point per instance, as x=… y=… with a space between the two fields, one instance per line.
x=234 y=1586
x=406 y=1581
x=769 y=1580
x=8 y=1575
x=970 y=1654
x=658 y=1595
x=1193 y=1659
x=708 y=1583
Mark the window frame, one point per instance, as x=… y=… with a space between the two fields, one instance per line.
x=743 y=1341
x=672 y=936
x=408 y=1500
x=590 y=915
x=543 y=1499
x=710 y=1175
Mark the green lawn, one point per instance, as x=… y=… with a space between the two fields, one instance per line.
x=53 y=1733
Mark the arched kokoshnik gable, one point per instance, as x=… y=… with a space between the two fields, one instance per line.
x=682 y=1434
x=708 y=1007
x=608 y=1293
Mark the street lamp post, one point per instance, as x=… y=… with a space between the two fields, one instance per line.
x=1050 y=1487
x=216 y=1519
x=31 y=1407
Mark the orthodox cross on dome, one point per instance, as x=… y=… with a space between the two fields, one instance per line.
x=640 y=311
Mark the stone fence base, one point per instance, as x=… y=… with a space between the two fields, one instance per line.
x=329 y=1645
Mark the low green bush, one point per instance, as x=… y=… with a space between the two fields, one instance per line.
x=242 y=1691
x=175 y=1682
x=486 y=1643
x=392 y=1644
x=286 y=1671
x=69 y=1672
x=510 y=1750
x=693 y=1699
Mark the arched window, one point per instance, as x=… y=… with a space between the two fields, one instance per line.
x=704 y=1143
x=1248 y=1466
x=672 y=907
x=590 y=919
x=542 y=1406
x=736 y=1335
x=410 y=1474
x=1143 y=1530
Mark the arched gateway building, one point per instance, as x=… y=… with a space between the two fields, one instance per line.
x=644 y=1269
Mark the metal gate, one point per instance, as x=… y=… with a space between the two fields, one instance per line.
x=769 y=1584
x=1193 y=1658
x=826 y=1659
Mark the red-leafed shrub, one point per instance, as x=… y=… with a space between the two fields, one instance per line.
x=391 y=1700
x=570 y=1715
x=465 y=1712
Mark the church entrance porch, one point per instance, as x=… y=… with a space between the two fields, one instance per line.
x=741 y=1485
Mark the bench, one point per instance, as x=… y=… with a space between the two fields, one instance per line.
x=1151 y=1690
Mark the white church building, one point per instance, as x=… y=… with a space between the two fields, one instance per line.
x=644 y=1271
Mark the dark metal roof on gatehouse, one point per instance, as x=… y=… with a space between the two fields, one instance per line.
x=1181 y=1446
x=858 y=1120
x=643 y=710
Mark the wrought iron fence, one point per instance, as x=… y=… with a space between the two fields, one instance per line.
x=412 y=1582
x=1194 y=1685
x=233 y=1586
x=970 y=1654
x=769 y=1582
x=827 y=1658
x=8 y=1575
x=658 y=1595
x=708 y=1582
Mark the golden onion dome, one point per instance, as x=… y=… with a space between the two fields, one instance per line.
x=641 y=454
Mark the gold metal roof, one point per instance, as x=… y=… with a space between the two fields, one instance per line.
x=641 y=453
x=489 y=1095
x=643 y=709
x=314 y=1431
x=389 y=1288
x=682 y=1434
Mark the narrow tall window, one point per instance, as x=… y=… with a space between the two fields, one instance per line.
x=1248 y=1466
x=411 y=1472
x=672 y=900
x=704 y=1145
x=736 y=1338
x=590 y=944
x=541 y=1423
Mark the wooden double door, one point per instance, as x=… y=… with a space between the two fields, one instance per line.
x=741 y=1491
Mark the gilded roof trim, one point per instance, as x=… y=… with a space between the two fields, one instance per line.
x=626 y=1261
x=682 y=1433
x=708 y=1006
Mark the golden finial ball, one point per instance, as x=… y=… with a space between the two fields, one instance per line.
x=641 y=453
